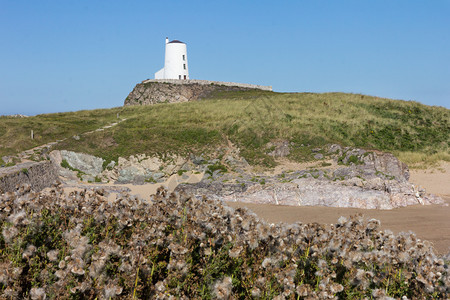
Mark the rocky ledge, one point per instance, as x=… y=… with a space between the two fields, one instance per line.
x=342 y=177
x=170 y=91
x=362 y=179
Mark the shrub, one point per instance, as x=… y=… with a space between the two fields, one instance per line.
x=181 y=246
x=216 y=167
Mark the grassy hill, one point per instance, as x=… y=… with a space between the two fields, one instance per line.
x=250 y=119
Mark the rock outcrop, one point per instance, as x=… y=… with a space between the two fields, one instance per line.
x=371 y=164
x=38 y=175
x=314 y=192
x=169 y=91
x=358 y=178
x=136 y=169
x=362 y=179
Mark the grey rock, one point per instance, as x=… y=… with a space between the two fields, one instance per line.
x=86 y=163
x=312 y=192
x=281 y=148
x=198 y=160
x=7 y=159
x=149 y=93
x=38 y=175
x=372 y=164
x=334 y=148
x=345 y=173
x=68 y=174
x=318 y=156
x=236 y=162
x=111 y=165
x=157 y=175
x=133 y=174
x=87 y=178
x=187 y=166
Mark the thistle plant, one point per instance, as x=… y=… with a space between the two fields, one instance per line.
x=89 y=244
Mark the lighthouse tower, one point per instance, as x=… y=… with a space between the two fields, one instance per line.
x=175 y=63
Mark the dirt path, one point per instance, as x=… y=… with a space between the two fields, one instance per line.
x=27 y=154
x=430 y=223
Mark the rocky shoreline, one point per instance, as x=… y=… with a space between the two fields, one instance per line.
x=363 y=179
x=340 y=177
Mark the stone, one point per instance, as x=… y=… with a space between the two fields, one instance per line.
x=157 y=175
x=198 y=160
x=38 y=175
x=280 y=148
x=170 y=169
x=345 y=173
x=133 y=174
x=88 y=178
x=334 y=148
x=148 y=93
x=373 y=163
x=318 y=156
x=111 y=165
x=86 y=163
x=311 y=192
x=152 y=164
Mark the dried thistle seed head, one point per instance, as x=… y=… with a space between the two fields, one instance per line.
x=111 y=290
x=9 y=233
x=342 y=220
x=222 y=289
x=29 y=251
x=37 y=293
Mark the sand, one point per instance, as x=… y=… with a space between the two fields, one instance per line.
x=143 y=190
x=146 y=190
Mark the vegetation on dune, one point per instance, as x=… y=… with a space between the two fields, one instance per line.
x=251 y=119
x=88 y=246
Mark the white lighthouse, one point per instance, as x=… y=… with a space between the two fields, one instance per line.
x=175 y=63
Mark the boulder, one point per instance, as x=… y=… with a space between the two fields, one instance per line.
x=369 y=164
x=86 y=163
x=152 y=163
x=133 y=174
x=279 y=148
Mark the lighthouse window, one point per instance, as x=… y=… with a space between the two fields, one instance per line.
x=184 y=57
x=184 y=66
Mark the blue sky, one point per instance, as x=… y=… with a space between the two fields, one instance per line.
x=70 y=55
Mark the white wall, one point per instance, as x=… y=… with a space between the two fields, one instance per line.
x=174 y=65
x=159 y=74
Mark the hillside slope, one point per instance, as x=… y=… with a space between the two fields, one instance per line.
x=250 y=120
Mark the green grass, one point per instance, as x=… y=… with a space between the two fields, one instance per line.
x=15 y=133
x=250 y=120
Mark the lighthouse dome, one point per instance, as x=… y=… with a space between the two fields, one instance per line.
x=176 y=41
